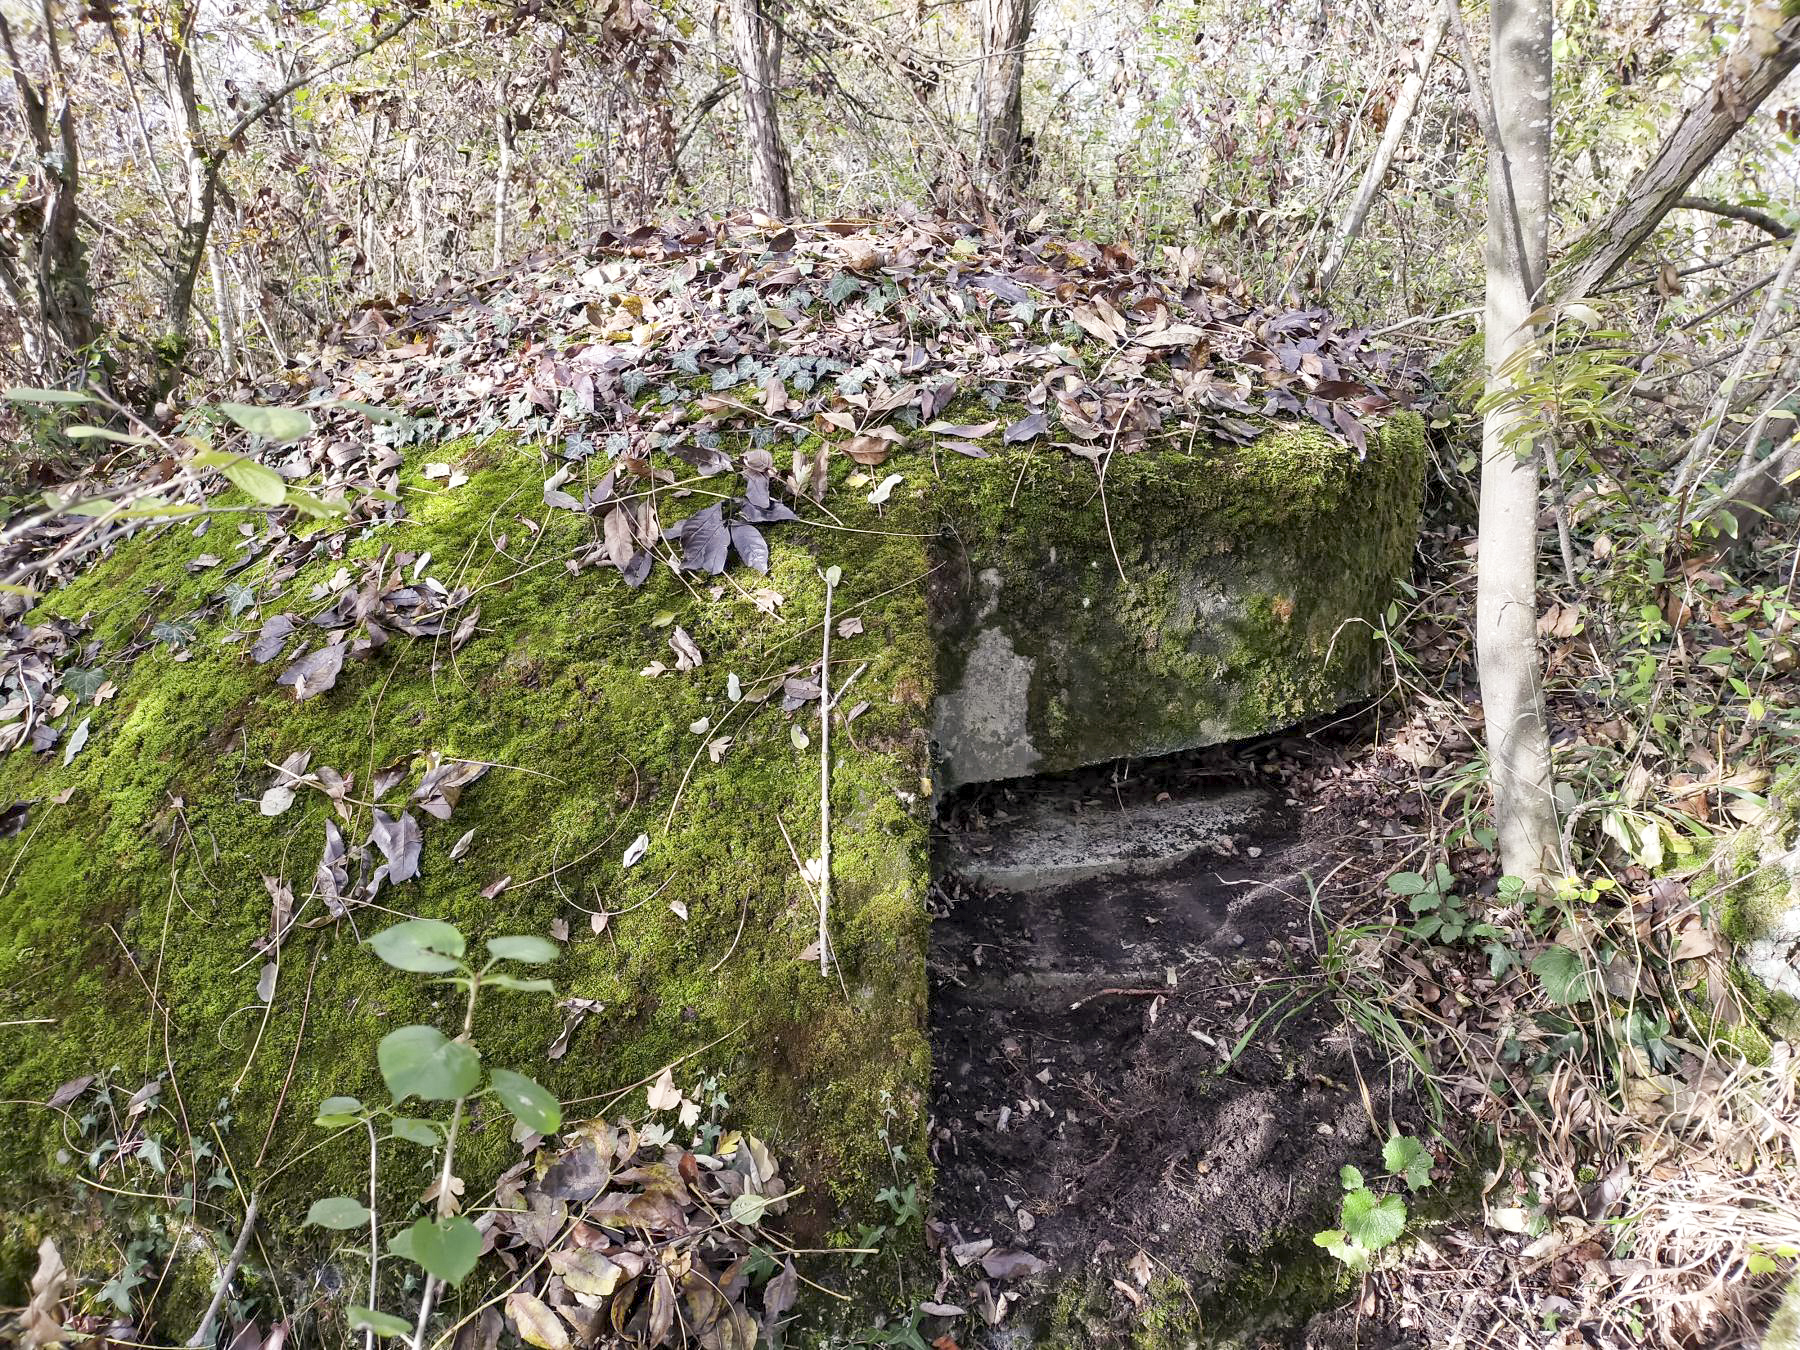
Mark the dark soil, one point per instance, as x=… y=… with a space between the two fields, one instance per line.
x=1152 y=1064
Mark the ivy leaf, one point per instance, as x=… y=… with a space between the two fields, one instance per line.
x=530 y=1104
x=446 y=1248
x=82 y=685
x=1373 y=1223
x=337 y=1211
x=1406 y=1157
x=424 y=946
x=422 y=1062
x=1563 y=976
x=238 y=598
x=535 y=951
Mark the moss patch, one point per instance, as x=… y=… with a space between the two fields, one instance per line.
x=145 y=890
x=132 y=899
x=1249 y=577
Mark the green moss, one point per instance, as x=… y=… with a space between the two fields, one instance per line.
x=1764 y=897
x=1216 y=591
x=150 y=876
x=142 y=888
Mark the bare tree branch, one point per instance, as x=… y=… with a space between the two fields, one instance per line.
x=1749 y=215
x=1751 y=71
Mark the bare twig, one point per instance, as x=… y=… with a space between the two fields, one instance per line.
x=204 y=1333
x=825 y=781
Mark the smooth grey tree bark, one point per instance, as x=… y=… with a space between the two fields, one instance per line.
x=1005 y=33
x=757 y=44
x=1518 y=215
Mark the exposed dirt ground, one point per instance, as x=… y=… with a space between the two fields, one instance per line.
x=1148 y=1064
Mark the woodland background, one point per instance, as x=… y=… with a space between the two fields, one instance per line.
x=239 y=175
x=197 y=193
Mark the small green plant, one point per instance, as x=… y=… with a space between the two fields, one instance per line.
x=902 y=1198
x=421 y=1062
x=1367 y=1223
x=1440 y=914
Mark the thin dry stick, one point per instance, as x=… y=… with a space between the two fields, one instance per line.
x=204 y=1334
x=831 y=578
x=800 y=867
x=1694 y=464
x=299 y=1040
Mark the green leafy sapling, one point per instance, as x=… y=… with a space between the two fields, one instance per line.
x=1367 y=1223
x=421 y=1062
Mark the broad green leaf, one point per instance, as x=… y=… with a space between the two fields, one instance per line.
x=1563 y=976
x=382 y=1324
x=1404 y=1156
x=317 y=507
x=278 y=424
x=749 y=1208
x=530 y=1104
x=100 y=506
x=425 y=946
x=416 y=1131
x=422 y=1062
x=256 y=480
x=1333 y=1241
x=25 y=394
x=337 y=1211
x=536 y=951
x=1350 y=1178
x=1373 y=1223
x=1406 y=883
x=446 y=1248
x=337 y=1112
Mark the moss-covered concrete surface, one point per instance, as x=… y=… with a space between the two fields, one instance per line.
x=131 y=900
x=1762 y=911
x=1184 y=600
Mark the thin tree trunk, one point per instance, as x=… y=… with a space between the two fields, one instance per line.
x=1693 y=464
x=1512 y=696
x=222 y=299
x=1005 y=33
x=1752 y=70
x=503 y=131
x=65 y=300
x=758 y=50
x=1399 y=118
